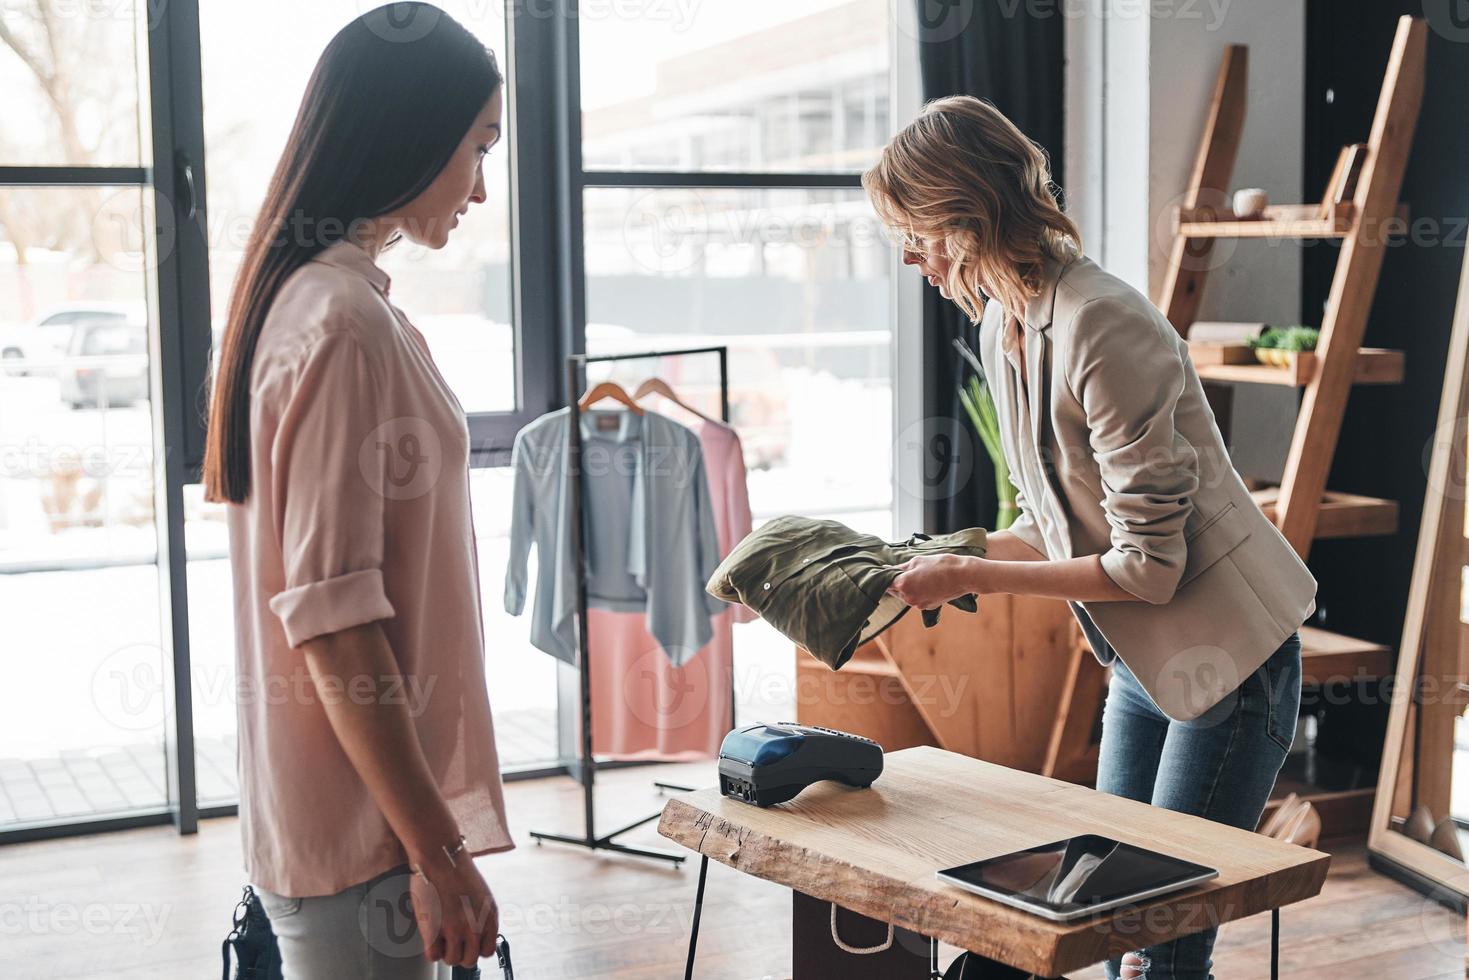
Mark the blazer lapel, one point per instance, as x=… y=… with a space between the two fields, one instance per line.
x=1038 y=388
x=1037 y=329
x=1007 y=398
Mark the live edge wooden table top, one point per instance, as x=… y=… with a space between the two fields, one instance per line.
x=875 y=851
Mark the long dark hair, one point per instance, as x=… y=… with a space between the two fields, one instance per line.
x=386 y=107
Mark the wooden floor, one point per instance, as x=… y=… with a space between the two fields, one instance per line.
x=149 y=903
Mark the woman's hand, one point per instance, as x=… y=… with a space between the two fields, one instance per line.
x=378 y=735
x=929 y=581
x=456 y=913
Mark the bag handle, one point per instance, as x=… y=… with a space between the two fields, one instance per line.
x=502 y=959
x=881 y=947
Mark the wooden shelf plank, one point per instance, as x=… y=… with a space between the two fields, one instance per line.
x=1327 y=656
x=1375 y=366
x=1278 y=221
x=1344 y=813
x=1305 y=228
x=1343 y=515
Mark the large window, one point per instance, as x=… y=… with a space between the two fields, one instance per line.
x=71 y=75
x=699 y=187
x=756 y=86
x=82 y=717
x=722 y=206
x=795 y=283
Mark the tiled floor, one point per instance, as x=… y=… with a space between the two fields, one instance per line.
x=80 y=785
x=525 y=737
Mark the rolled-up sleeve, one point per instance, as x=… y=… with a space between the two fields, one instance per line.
x=1128 y=379
x=328 y=480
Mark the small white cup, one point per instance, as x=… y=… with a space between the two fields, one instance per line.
x=1249 y=202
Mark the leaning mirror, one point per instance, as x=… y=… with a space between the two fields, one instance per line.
x=1420 y=816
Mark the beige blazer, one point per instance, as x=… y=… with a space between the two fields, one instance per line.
x=1132 y=466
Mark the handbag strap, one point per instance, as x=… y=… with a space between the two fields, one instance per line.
x=242 y=912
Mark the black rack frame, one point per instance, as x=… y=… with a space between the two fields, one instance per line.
x=589 y=838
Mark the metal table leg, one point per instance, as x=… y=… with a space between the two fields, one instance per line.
x=688 y=970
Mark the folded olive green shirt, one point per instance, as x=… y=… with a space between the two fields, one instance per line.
x=824 y=585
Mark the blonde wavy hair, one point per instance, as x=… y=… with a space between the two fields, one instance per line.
x=962 y=177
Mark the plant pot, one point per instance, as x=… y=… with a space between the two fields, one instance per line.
x=1274 y=356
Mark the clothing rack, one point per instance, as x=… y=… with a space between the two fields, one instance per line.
x=575 y=364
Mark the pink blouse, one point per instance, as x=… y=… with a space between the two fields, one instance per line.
x=643 y=707
x=358 y=512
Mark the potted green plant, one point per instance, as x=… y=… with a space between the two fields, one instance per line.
x=1275 y=344
x=979 y=405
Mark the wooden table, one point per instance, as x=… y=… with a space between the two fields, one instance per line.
x=875 y=852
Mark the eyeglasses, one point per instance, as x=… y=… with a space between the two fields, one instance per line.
x=917 y=246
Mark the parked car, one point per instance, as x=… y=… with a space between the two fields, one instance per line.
x=106 y=364
x=36 y=349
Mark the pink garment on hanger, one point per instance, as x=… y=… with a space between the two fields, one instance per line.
x=643 y=707
x=724 y=462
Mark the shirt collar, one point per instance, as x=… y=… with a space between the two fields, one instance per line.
x=1040 y=307
x=629 y=424
x=347 y=254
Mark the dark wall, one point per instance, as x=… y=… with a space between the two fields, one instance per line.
x=1385 y=434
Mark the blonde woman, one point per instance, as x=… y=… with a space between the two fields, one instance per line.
x=1130 y=508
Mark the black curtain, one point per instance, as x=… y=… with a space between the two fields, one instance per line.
x=1014 y=58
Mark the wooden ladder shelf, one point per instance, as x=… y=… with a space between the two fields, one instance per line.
x=1301 y=506
x=1360 y=208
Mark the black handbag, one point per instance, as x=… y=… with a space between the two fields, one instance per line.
x=969 y=966
x=258 y=957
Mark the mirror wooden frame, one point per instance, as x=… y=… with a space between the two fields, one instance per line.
x=1433 y=646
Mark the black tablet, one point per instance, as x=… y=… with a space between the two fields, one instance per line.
x=1076 y=877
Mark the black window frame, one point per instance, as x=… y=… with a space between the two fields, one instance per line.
x=548 y=305
x=180 y=307
x=576 y=180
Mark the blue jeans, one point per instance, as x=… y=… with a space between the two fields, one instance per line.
x=1220 y=766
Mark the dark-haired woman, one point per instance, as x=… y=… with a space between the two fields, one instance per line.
x=368 y=772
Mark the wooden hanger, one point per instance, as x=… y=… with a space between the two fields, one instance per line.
x=660 y=387
x=608 y=389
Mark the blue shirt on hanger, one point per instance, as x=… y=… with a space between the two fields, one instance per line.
x=650 y=542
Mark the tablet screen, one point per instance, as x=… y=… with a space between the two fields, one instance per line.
x=1078 y=873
